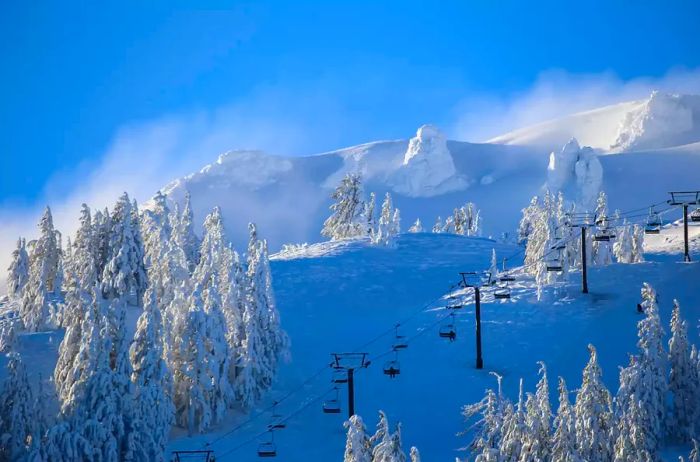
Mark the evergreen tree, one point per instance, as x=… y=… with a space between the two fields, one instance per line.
x=18 y=270
x=564 y=439
x=526 y=225
x=82 y=278
x=437 y=227
x=488 y=429
x=43 y=269
x=389 y=223
x=184 y=235
x=633 y=441
x=683 y=381
x=623 y=248
x=101 y=231
x=515 y=430
x=415 y=455
x=152 y=381
x=601 y=249
x=124 y=275
x=369 y=215
x=594 y=417
x=357 y=447
x=345 y=221
x=389 y=448
x=19 y=429
x=638 y=244
x=538 y=419
x=417 y=227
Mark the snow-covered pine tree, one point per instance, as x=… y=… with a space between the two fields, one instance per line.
x=124 y=274
x=396 y=223
x=459 y=218
x=18 y=272
x=601 y=249
x=448 y=225
x=472 y=219
x=389 y=225
x=357 y=447
x=389 y=448
x=488 y=429
x=638 y=244
x=515 y=430
x=416 y=227
x=683 y=381
x=695 y=452
x=594 y=417
x=80 y=281
x=101 y=231
x=368 y=213
x=184 y=235
x=437 y=227
x=538 y=419
x=43 y=269
x=18 y=425
x=623 y=246
x=653 y=368
x=415 y=455
x=493 y=269
x=152 y=381
x=346 y=220
x=633 y=441
x=564 y=439
x=526 y=226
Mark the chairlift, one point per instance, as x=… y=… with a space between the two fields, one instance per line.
x=559 y=244
x=268 y=448
x=399 y=339
x=554 y=264
x=504 y=275
x=206 y=455
x=448 y=330
x=653 y=225
x=695 y=215
x=392 y=368
x=277 y=420
x=332 y=406
x=340 y=376
x=604 y=235
x=502 y=292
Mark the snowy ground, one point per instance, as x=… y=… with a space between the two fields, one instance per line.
x=337 y=301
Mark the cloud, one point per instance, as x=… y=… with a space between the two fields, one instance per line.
x=558 y=93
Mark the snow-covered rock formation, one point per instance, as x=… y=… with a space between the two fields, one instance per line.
x=663 y=120
x=576 y=170
x=428 y=168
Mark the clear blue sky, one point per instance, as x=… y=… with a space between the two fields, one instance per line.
x=72 y=75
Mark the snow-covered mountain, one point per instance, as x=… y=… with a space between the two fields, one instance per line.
x=659 y=121
x=428 y=175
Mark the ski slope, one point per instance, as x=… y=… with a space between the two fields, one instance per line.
x=337 y=297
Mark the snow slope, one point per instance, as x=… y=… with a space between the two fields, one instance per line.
x=337 y=297
x=659 y=121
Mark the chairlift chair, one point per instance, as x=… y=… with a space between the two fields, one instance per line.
x=268 y=448
x=504 y=275
x=277 y=420
x=392 y=368
x=332 y=406
x=340 y=376
x=502 y=292
x=554 y=265
x=399 y=340
x=695 y=215
x=448 y=330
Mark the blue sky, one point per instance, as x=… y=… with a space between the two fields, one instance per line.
x=85 y=81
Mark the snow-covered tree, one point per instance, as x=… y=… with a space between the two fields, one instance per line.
x=18 y=272
x=152 y=380
x=493 y=268
x=414 y=454
x=526 y=225
x=638 y=244
x=515 y=430
x=184 y=235
x=695 y=452
x=448 y=225
x=683 y=381
x=389 y=448
x=416 y=227
x=623 y=246
x=101 y=231
x=564 y=439
x=652 y=368
x=594 y=417
x=357 y=447
x=471 y=219
x=43 y=270
x=538 y=418
x=389 y=223
x=601 y=249
x=437 y=227
x=346 y=219
x=633 y=441
x=488 y=429
x=80 y=283
x=20 y=432
x=368 y=213
x=124 y=274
